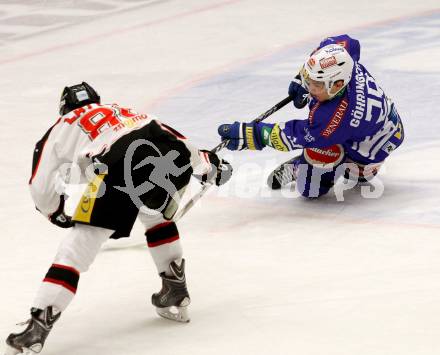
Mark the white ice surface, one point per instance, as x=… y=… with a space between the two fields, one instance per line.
x=268 y=274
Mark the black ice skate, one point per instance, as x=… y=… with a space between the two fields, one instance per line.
x=284 y=174
x=173 y=299
x=31 y=340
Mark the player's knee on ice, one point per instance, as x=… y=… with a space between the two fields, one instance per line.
x=317 y=171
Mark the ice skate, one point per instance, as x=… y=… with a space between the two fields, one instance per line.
x=31 y=340
x=284 y=174
x=173 y=299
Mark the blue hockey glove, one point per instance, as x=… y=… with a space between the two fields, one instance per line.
x=297 y=92
x=241 y=136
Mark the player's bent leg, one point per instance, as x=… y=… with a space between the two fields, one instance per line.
x=284 y=174
x=361 y=173
x=317 y=170
x=164 y=244
x=75 y=254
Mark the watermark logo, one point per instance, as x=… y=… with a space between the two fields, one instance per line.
x=163 y=168
x=250 y=179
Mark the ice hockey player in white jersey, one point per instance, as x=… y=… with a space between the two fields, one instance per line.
x=135 y=166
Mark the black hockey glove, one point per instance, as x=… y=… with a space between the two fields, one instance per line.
x=221 y=170
x=297 y=92
x=59 y=218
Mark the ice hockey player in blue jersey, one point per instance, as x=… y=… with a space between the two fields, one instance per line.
x=351 y=127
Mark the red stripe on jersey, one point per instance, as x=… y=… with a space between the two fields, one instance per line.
x=164 y=241
x=312 y=112
x=60 y=283
x=171 y=130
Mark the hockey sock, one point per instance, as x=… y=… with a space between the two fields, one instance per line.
x=58 y=288
x=164 y=244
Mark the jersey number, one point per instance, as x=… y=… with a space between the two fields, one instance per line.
x=95 y=121
x=376 y=109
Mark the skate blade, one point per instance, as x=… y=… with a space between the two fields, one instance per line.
x=11 y=351
x=176 y=313
x=32 y=351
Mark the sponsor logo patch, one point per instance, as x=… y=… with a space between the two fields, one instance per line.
x=83 y=212
x=304 y=74
x=328 y=62
x=388 y=147
x=324 y=157
x=266 y=135
x=308 y=136
x=276 y=140
x=398 y=133
x=333 y=49
x=343 y=44
x=336 y=119
x=250 y=138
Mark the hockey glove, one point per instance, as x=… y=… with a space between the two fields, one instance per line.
x=297 y=92
x=241 y=136
x=59 y=218
x=221 y=170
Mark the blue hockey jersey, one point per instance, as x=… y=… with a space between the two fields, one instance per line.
x=361 y=118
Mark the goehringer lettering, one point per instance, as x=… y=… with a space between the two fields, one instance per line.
x=358 y=112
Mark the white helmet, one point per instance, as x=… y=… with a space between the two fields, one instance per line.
x=328 y=65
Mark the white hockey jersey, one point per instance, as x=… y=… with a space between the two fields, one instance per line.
x=82 y=134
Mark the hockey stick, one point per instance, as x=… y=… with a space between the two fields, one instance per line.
x=215 y=150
